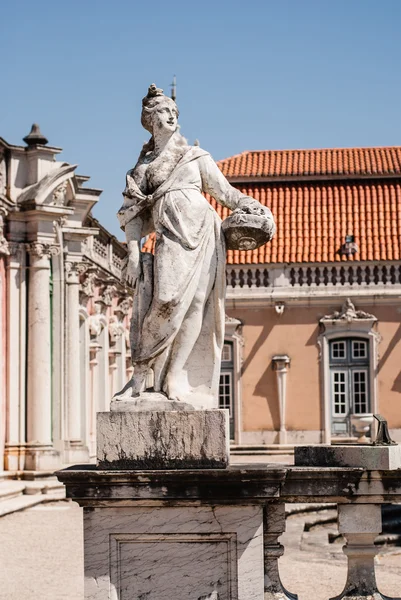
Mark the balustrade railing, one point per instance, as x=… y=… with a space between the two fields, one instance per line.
x=313 y=276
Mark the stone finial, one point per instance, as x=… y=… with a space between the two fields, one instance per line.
x=35 y=137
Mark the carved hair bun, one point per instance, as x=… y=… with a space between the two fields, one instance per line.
x=154 y=91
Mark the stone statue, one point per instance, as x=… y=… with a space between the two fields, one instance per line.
x=177 y=327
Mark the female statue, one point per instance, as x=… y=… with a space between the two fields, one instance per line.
x=177 y=326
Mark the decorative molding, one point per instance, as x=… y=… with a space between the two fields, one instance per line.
x=124 y=306
x=60 y=194
x=108 y=293
x=348 y=313
x=116 y=329
x=4 y=249
x=88 y=277
x=15 y=249
x=60 y=223
x=39 y=249
x=97 y=321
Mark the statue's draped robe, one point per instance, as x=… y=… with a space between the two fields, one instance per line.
x=177 y=326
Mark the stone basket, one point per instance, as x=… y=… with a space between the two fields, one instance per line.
x=244 y=231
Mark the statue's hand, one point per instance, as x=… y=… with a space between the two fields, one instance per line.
x=131 y=271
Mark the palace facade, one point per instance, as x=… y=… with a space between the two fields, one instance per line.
x=317 y=348
x=313 y=333
x=64 y=313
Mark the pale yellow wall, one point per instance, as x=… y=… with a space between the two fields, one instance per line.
x=295 y=333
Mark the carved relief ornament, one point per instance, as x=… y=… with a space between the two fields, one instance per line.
x=4 y=249
x=60 y=194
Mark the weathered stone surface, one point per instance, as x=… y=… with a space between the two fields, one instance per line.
x=148 y=401
x=163 y=439
x=248 y=228
x=180 y=553
x=352 y=455
x=177 y=326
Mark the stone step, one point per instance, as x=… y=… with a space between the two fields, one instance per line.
x=11 y=489
x=45 y=486
x=19 y=495
x=13 y=505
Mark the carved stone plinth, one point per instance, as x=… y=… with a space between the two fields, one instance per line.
x=163 y=439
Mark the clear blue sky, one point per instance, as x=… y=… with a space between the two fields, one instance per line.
x=251 y=75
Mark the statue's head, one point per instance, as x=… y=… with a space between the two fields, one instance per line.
x=158 y=111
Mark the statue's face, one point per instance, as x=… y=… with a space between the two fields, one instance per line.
x=165 y=117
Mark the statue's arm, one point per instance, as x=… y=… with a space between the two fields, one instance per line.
x=215 y=184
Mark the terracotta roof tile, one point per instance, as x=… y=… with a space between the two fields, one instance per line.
x=326 y=161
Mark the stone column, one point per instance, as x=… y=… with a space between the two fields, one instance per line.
x=76 y=450
x=94 y=387
x=273 y=527
x=280 y=365
x=73 y=388
x=360 y=524
x=40 y=453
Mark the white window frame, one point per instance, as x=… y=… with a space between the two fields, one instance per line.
x=366 y=356
x=359 y=328
x=353 y=372
x=346 y=392
x=231 y=395
x=345 y=350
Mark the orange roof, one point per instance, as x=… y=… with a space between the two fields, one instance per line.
x=309 y=163
x=313 y=217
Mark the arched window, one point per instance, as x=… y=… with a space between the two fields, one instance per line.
x=349 y=377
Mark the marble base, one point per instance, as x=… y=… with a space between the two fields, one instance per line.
x=182 y=552
x=147 y=401
x=369 y=457
x=41 y=458
x=163 y=440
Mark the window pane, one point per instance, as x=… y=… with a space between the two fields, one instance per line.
x=225 y=393
x=339 y=386
x=226 y=355
x=359 y=349
x=359 y=391
x=338 y=350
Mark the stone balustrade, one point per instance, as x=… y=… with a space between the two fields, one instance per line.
x=149 y=526
x=273 y=281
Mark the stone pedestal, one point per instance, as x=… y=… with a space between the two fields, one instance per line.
x=163 y=439
x=179 y=534
x=199 y=552
x=372 y=458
